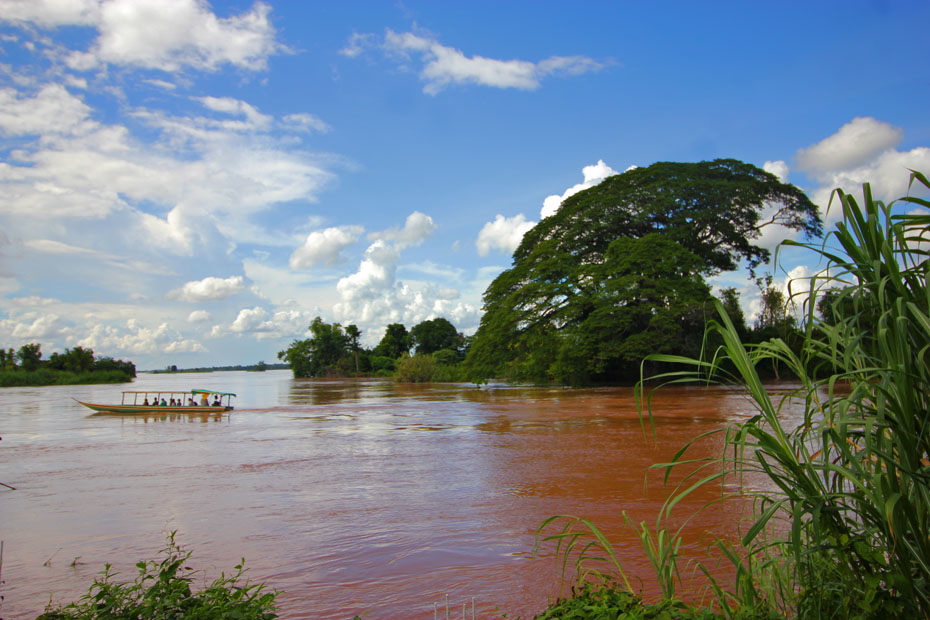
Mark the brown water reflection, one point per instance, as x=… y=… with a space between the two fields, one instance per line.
x=350 y=496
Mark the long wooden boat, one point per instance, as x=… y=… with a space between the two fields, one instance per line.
x=154 y=401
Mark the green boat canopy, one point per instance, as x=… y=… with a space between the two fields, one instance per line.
x=212 y=392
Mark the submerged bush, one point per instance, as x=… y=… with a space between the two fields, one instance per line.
x=162 y=591
x=417 y=369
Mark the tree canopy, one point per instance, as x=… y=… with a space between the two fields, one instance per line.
x=618 y=271
x=394 y=343
x=435 y=335
x=327 y=345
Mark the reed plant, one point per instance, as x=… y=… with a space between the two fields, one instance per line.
x=840 y=526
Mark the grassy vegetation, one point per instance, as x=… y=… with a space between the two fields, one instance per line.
x=439 y=367
x=48 y=376
x=162 y=591
x=840 y=530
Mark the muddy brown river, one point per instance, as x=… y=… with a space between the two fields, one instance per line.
x=350 y=497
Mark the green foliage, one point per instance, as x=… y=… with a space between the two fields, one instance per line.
x=46 y=376
x=594 y=321
x=394 y=343
x=417 y=369
x=74 y=366
x=7 y=359
x=618 y=272
x=76 y=360
x=383 y=366
x=29 y=356
x=162 y=591
x=434 y=335
x=353 y=333
x=319 y=354
x=609 y=602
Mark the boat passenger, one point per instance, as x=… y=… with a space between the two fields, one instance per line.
x=163 y=403
x=146 y=401
x=203 y=401
x=216 y=403
x=191 y=403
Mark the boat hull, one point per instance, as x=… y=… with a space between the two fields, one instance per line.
x=150 y=409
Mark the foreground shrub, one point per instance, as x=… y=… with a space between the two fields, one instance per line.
x=610 y=602
x=162 y=591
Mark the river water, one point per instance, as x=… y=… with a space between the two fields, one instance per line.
x=351 y=497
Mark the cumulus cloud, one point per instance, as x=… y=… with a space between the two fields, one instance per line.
x=41 y=327
x=372 y=297
x=51 y=13
x=324 y=247
x=504 y=234
x=861 y=151
x=162 y=35
x=209 y=289
x=593 y=175
x=257 y=322
x=417 y=228
x=855 y=144
x=443 y=65
x=198 y=316
x=51 y=110
x=778 y=168
x=136 y=338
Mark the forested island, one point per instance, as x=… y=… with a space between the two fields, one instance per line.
x=25 y=366
x=617 y=273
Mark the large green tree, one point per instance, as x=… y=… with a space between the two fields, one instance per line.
x=618 y=271
x=435 y=335
x=394 y=343
x=29 y=356
x=311 y=357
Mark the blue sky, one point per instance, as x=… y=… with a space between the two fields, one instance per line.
x=191 y=183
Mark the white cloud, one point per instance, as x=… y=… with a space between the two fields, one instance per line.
x=198 y=316
x=209 y=289
x=593 y=175
x=250 y=320
x=172 y=35
x=255 y=120
x=504 y=234
x=417 y=228
x=443 y=65
x=52 y=110
x=855 y=144
x=305 y=122
x=137 y=339
x=42 y=327
x=861 y=151
x=778 y=168
x=281 y=324
x=372 y=297
x=51 y=13
x=324 y=247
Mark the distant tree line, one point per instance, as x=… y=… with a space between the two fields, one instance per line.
x=257 y=367
x=25 y=366
x=438 y=350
